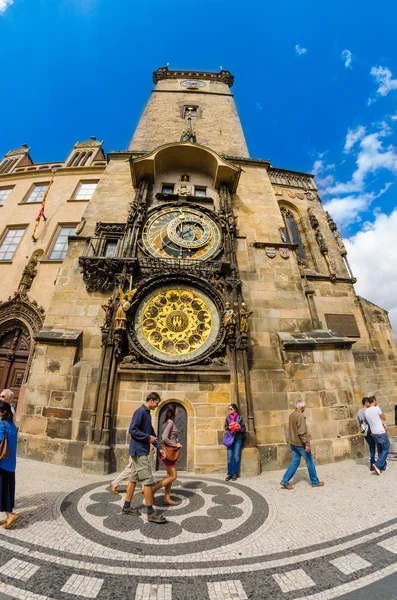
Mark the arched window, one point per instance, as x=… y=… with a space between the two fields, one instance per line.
x=291 y=231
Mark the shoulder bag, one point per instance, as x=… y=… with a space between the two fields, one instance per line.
x=4 y=448
x=171 y=453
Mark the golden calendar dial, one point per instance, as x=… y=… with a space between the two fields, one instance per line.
x=176 y=324
x=181 y=233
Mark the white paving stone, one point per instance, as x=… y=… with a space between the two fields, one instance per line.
x=79 y=585
x=390 y=544
x=149 y=591
x=226 y=590
x=350 y=563
x=19 y=569
x=293 y=580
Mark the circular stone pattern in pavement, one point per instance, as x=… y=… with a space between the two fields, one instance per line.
x=208 y=516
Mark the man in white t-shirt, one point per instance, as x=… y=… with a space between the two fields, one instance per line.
x=375 y=419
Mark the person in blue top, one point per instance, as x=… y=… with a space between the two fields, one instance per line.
x=7 y=465
x=142 y=438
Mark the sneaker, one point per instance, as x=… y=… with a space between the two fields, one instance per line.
x=228 y=478
x=155 y=518
x=319 y=484
x=130 y=511
x=287 y=486
x=376 y=470
x=234 y=478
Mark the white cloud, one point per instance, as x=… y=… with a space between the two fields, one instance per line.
x=394 y=117
x=353 y=136
x=346 y=56
x=299 y=50
x=373 y=257
x=371 y=157
x=4 y=4
x=319 y=169
x=347 y=210
x=384 y=77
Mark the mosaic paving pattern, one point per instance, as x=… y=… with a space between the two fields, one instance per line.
x=224 y=541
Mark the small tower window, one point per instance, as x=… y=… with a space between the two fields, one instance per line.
x=190 y=111
x=200 y=191
x=167 y=188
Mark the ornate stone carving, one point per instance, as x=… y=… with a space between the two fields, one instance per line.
x=164 y=73
x=292 y=179
x=18 y=151
x=112 y=228
x=20 y=308
x=270 y=251
x=99 y=274
x=229 y=319
x=91 y=143
x=108 y=308
x=245 y=316
x=28 y=274
x=313 y=219
x=321 y=242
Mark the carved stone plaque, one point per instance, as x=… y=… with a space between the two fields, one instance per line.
x=270 y=251
x=344 y=324
x=284 y=252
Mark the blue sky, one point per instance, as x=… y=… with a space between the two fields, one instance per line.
x=316 y=89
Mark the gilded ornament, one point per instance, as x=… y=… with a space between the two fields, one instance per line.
x=291 y=194
x=278 y=192
x=245 y=316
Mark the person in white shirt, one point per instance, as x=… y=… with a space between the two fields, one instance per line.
x=375 y=419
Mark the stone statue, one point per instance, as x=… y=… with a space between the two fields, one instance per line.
x=125 y=303
x=245 y=316
x=229 y=319
x=28 y=274
x=184 y=189
x=108 y=308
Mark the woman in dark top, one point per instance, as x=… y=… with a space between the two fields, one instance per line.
x=169 y=437
x=234 y=422
x=7 y=465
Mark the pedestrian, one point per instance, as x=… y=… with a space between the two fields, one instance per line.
x=298 y=439
x=122 y=477
x=169 y=438
x=8 y=465
x=8 y=396
x=234 y=423
x=374 y=417
x=365 y=430
x=142 y=437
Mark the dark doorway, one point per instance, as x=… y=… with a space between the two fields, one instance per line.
x=181 y=425
x=14 y=354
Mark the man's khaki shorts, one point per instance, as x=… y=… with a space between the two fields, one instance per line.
x=141 y=470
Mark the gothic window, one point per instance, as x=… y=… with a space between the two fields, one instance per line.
x=60 y=246
x=37 y=193
x=10 y=243
x=80 y=159
x=291 y=230
x=4 y=193
x=111 y=248
x=7 y=165
x=190 y=111
x=85 y=190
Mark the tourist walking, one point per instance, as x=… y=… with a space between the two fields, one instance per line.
x=142 y=436
x=374 y=417
x=365 y=431
x=8 y=464
x=234 y=423
x=122 y=477
x=169 y=440
x=298 y=439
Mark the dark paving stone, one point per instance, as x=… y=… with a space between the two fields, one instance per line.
x=216 y=490
x=161 y=532
x=103 y=510
x=122 y=522
x=105 y=497
x=194 y=485
x=201 y=524
x=228 y=499
x=225 y=512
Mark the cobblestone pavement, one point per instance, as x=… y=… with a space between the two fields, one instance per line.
x=226 y=541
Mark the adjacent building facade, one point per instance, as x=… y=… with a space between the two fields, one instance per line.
x=180 y=265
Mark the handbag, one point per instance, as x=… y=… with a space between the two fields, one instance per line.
x=171 y=453
x=4 y=448
x=364 y=428
x=228 y=438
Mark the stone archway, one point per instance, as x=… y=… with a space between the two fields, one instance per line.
x=20 y=319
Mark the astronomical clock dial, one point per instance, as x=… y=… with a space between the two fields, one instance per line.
x=181 y=233
x=176 y=324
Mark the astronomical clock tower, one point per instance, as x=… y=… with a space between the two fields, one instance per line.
x=212 y=278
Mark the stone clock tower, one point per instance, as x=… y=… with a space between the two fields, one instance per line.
x=212 y=278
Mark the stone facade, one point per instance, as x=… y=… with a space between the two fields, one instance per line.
x=270 y=244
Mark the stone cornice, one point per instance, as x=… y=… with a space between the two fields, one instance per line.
x=292 y=178
x=246 y=160
x=164 y=73
x=46 y=173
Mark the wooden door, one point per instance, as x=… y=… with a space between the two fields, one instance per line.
x=14 y=353
x=181 y=425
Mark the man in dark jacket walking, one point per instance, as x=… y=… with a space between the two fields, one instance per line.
x=142 y=437
x=298 y=439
